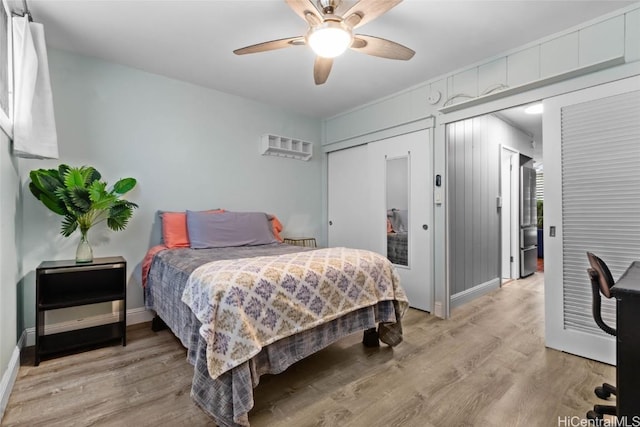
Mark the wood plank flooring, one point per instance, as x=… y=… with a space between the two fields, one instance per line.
x=486 y=366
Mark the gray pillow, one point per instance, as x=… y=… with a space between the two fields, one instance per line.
x=217 y=230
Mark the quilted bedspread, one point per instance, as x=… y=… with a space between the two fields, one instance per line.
x=246 y=304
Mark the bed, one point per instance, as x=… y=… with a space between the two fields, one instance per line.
x=397 y=236
x=397 y=249
x=354 y=291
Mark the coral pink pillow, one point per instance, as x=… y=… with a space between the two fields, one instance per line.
x=174 y=229
x=277 y=227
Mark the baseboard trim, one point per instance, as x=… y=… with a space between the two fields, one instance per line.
x=139 y=315
x=10 y=375
x=470 y=294
x=134 y=316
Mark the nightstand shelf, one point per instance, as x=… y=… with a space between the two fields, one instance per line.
x=64 y=284
x=79 y=299
x=85 y=338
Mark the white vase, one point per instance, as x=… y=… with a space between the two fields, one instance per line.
x=84 y=253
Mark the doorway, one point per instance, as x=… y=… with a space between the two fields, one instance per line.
x=485 y=155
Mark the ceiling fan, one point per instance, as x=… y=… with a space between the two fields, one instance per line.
x=331 y=33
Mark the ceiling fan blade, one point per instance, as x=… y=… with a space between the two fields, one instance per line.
x=381 y=47
x=270 y=45
x=353 y=20
x=369 y=10
x=321 y=69
x=305 y=7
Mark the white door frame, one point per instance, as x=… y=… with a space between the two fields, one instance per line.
x=510 y=208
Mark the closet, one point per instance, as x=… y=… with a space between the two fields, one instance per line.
x=380 y=198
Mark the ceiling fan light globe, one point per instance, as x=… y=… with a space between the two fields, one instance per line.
x=330 y=39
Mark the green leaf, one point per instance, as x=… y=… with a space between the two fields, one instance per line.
x=73 y=178
x=119 y=215
x=124 y=185
x=119 y=221
x=45 y=180
x=92 y=175
x=62 y=170
x=80 y=198
x=104 y=202
x=35 y=190
x=69 y=225
x=63 y=195
x=50 y=183
x=43 y=185
x=53 y=204
x=97 y=191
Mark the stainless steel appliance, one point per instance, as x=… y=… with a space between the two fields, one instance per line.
x=528 y=221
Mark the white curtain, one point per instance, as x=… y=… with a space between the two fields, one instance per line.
x=34 y=128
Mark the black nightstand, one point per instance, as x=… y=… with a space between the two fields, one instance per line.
x=63 y=284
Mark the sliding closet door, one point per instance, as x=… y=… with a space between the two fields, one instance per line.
x=348 y=200
x=401 y=189
x=592 y=203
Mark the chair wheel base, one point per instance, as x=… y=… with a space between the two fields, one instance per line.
x=602 y=393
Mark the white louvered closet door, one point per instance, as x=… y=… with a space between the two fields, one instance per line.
x=592 y=198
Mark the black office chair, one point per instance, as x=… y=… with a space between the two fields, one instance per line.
x=601 y=282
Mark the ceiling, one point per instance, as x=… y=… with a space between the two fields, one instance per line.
x=531 y=124
x=193 y=41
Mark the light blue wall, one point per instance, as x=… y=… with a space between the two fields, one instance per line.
x=10 y=218
x=188 y=147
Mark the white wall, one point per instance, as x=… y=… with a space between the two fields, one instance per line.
x=188 y=147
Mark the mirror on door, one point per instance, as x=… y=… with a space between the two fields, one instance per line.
x=397 y=187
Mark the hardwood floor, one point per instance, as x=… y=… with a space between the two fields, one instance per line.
x=486 y=366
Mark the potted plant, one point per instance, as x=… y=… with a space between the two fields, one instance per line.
x=78 y=194
x=540 y=211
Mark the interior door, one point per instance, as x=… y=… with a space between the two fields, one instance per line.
x=509 y=190
x=592 y=199
x=417 y=275
x=348 y=198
